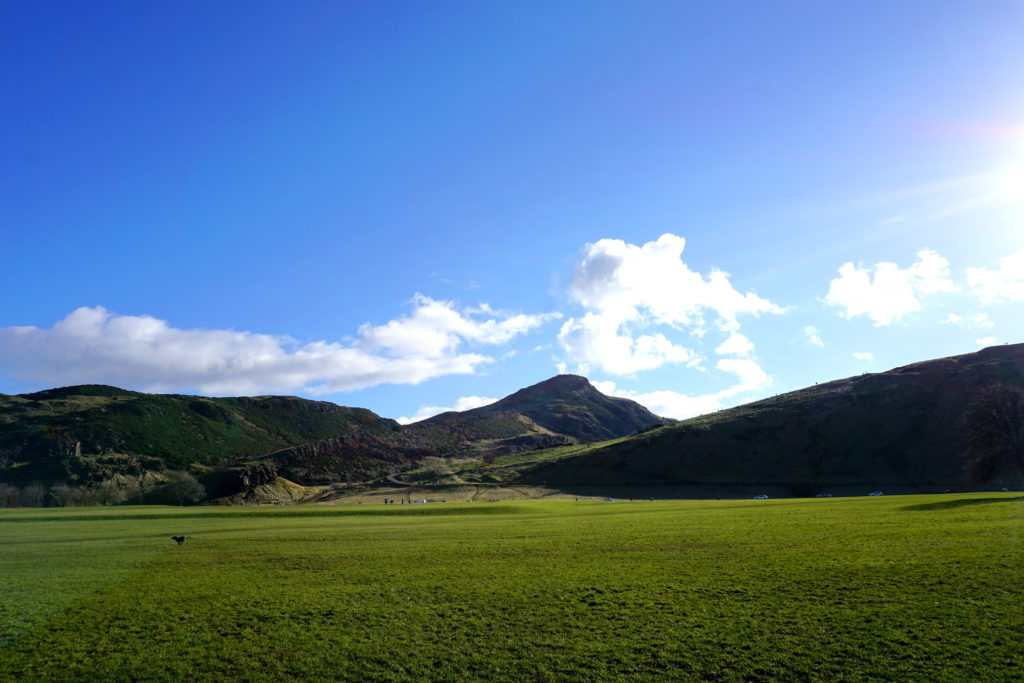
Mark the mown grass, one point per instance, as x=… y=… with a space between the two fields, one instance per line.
x=894 y=588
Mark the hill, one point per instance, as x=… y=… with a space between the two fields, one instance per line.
x=896 y=431
x=87 y=434
x=91 y=434
x=563 y=410
x=565 y=404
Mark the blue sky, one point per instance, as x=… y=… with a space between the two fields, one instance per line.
x=415 y=206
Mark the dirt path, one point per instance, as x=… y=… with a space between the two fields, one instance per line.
x=392 y=478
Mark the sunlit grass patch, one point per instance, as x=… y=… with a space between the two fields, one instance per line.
x=716 y=590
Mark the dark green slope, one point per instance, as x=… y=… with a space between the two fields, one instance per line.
x=896 y=430
x=87 y=433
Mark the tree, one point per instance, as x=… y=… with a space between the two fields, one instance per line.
x=995 y=432
x=183 y=489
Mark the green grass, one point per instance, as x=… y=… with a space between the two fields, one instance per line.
x=894 y=588
x=503 y=468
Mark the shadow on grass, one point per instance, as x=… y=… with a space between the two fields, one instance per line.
x=239 y=512
x=960 y=502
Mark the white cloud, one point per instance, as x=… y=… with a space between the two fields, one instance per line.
x=1002 y=284
x=752 y=378
x=986 y=341
x=627 y=289
x=813 y=336
x=889 y=292
x=464 y=403
x=978 y=321
x=596 y=340
x=864 y=355
x=436 y=329
x=94 y=345
x=736 y=344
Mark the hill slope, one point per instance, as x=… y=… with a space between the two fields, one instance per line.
x=558 y=411
x=89 y=433
x=566 y=404
x=896 y=430
x=93 y=433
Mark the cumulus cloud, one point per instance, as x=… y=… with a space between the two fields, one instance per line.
x=750 y=377
x=627 y=289
x=986 y=341
x=813 y=336
x=94 y=345
x=464 y=403
x=864 y=355
x=736 y=344
x=887 y=292
x=1002 y=284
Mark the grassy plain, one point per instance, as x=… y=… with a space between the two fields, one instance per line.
x=891 y=588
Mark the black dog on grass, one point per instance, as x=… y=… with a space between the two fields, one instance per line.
x=179 y=539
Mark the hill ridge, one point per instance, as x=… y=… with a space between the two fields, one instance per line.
x=896 y=429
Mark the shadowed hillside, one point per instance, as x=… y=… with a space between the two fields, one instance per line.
x=896 y=430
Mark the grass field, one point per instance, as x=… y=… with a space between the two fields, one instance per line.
x=891 y=588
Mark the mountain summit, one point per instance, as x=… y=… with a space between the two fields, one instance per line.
x=569 y=405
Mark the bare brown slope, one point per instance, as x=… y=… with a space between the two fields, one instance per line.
x=897 y=430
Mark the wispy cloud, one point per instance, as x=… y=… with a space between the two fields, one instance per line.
x=464 y=403
x=976 y=321
x=750 y=380
x=813 y=336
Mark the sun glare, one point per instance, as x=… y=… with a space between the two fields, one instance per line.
x=1010 y=184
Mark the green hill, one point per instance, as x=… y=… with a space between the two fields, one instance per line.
x=898 y=431
x=87 y=435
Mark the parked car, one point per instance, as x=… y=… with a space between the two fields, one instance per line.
x=761 y=497
x=824 y=494
x=876 y=493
